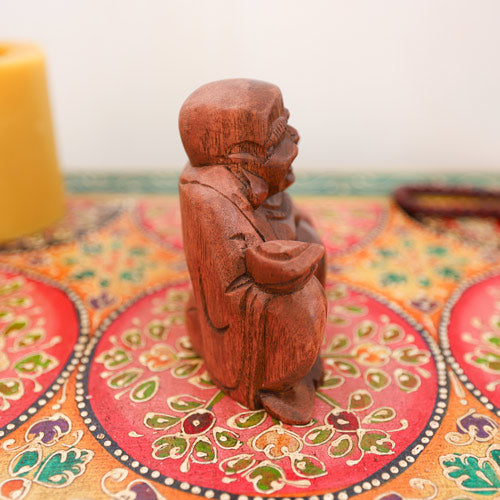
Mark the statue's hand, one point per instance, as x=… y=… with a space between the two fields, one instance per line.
x=283 y=266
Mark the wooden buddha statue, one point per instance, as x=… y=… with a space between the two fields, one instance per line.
x=258 y=309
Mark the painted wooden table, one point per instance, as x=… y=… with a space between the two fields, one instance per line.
x=101 y=395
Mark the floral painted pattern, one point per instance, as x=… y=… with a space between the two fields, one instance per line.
x=348 y=226
x=145 y=421
x=473 y=332
x=478 y=231
x=82 y=215
x=343 y=227
x=35 y=342
x=49 y=457
x=474 y=474
x=161 y=220
x=469 y=471
x=416 y=268
x=144 y=368
x=137 y=489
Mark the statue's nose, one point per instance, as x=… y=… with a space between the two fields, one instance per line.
x=293 y=134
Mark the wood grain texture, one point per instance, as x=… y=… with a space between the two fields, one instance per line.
x=258 y=310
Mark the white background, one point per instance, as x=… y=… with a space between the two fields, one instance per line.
x=372 y=85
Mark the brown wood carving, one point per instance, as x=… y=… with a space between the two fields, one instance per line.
x=258 y=309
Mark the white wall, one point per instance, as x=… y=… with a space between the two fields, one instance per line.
x=371 y=84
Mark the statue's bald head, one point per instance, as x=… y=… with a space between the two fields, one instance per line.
x=219 y=116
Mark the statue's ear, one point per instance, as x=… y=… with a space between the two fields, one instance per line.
x=258 y=189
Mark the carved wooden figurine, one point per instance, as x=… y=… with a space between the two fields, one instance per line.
x=258 y=310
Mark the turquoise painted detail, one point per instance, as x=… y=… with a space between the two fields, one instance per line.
x=335 y=184
x=472 y=474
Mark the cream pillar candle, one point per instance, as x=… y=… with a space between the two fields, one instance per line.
x=31 y=191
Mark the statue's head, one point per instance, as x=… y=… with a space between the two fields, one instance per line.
x=240 y=123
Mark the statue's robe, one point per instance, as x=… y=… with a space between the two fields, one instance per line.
x=251 y=340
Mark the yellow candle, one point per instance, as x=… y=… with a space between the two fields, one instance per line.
x=31 y=191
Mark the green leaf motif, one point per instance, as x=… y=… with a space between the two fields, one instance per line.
x=35 y=364
x=114 y=358
x=175 y=319
x=132 y=338
x=5 y=315
x=29 y=339
x=384 y=414
x=202 y=381
x=352 y=309
x=494 y=452
x=124 y=378
x=488 y=360
x=473 y=474
x=306 y=466
x=132 y=275
x=392 y=333
x=177 y=297
x=387 y=253
x=159 y=421
x=11 y=388
x=157 y=330
x=185 y=403
x=15 y=326
x=267 y=477
x=388 y=279
x=62 y=467
x=247 y=420
x=337 y=320
x=184 y=370
x=10 y=286
x=341 y=447
x=23 y=302
x=449 y=273
x=377 y=379
x=438 y=251
x=226 y=439
x=336 y=293
x=236 y=464
x=424 y=281
x=25 y=462
x=184 y=344
x=339 y=342
x=366 y=329
x=492 y=340
x=346 y=368
x=360 y=400
x=145 y=390
x=378 y=442
x=87 y=273
x=203 y=451
x=170 y=447
x=318 y=435
x=411 y=355
x=407 y=381
x=332 y=381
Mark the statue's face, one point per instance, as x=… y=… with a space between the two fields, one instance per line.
x=272 y=161
x=243 y=123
